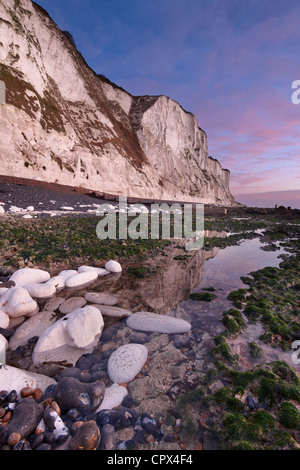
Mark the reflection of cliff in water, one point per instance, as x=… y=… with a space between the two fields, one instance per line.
x=169 y=282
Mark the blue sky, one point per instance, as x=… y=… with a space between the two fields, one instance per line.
x=230 y=62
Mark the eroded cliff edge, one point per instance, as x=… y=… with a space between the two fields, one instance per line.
x=64 y=123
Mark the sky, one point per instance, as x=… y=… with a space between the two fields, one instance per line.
x=232 y=63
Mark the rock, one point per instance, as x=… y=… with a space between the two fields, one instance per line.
x=70 y=337
x=108 y=440
x=148 y=321
x=113 y=397
x=113 y=267
x=3 y=290
x=54 y=423
x=12 y=378
x=3 y=348
x=26 y=417
x=4 y=320
x=72 y=304
x=67 y=273
x=101 y=298
x=41 y=291
x=126 y=362
x=34 y=326
x=70 y=393
x=99 y=271
x=53 y=304
x=26 y=276
x=17 y=302
x=58 y=282
x=111 y=311
x=81 y=279
x=86 y=437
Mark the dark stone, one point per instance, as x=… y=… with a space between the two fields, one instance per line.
x=158 y=434
x=129 y=417
x=169 y=437
x=87 y=437
x=71 y=393
x=83 y=363
x=85 y=378
x=49 y=437
x=71 y=372
x=99 y=375
x=128 y=401
x=44 y=446
x=25 y=418
x=61 y=439
x=250 y=403
x=108 y=441
x=97 y=367
x=103 y=417
x=12 y=397
x=130 y=445
x=149 y=428
x=140 y=437
x=75 y=415
x=49 y=392
x=139 y=338
x=36 y=439
x=107 y=335
x=7 y=333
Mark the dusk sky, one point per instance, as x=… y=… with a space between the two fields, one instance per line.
x=230 y=62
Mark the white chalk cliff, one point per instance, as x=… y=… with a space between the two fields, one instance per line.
x=63 y=123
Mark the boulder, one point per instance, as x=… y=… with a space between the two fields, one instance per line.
x=17 y=302
x=70 y=337
x=26 y=276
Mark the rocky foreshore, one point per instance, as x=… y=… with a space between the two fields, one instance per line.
x=67 y=385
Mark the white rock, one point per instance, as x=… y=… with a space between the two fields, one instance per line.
x=15 y=322
x=81 y=279
x=113 y=397
x=72 y=304
x=101 y=298
x=113 y=267
x=4 y=320
x=26 y=276
x=16 y=379
x=34 y=326
x=27 y=216
x=58 y=282
x=149 y=321
x=41 y=291
x=17 y=302
x=68 y=273
x=60 y=428
x=126 y=362
x=99 y=271
x=2 y=210
x=70 y=337
x=111 y=311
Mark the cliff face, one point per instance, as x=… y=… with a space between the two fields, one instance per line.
x=64 y=123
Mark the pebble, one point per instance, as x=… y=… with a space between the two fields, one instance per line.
x=71 y=393
x=81 y=279
x=72 y=304
x=111 y=311
x=113 y=267
x=25 y=276
x=17 y=302
x=126 y=362
x=152 y=322
x=101 y=298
